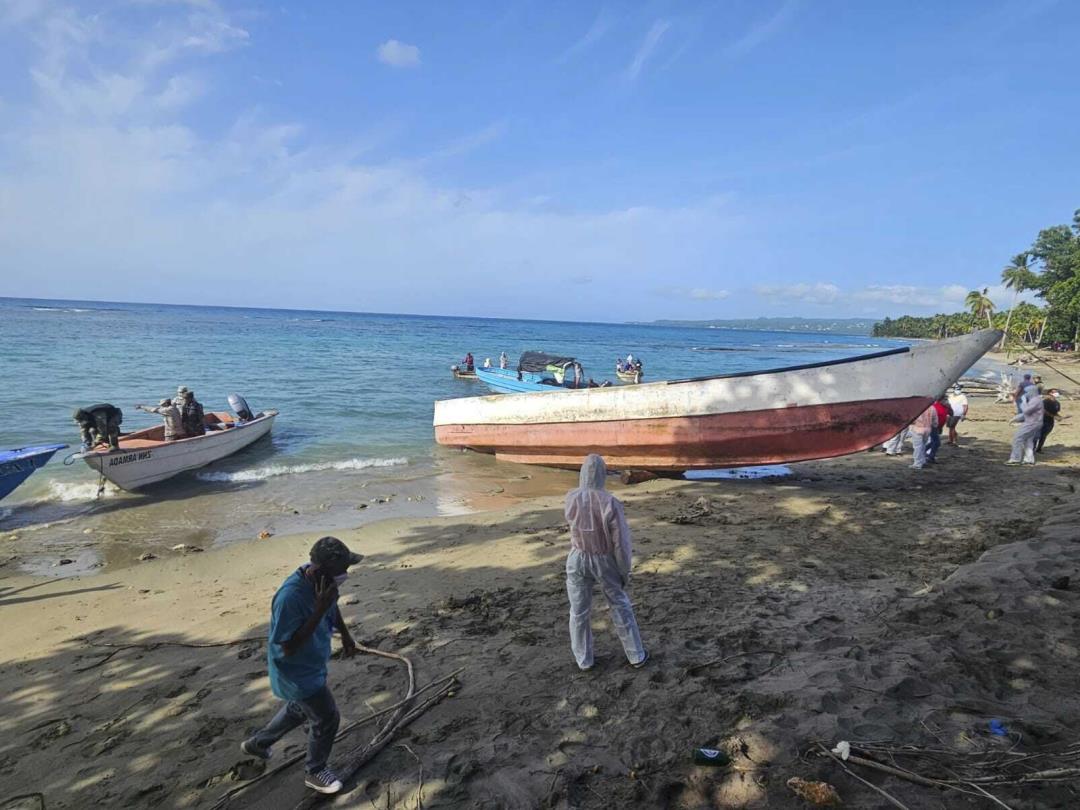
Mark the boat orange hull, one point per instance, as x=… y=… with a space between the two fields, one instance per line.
x=772 y=436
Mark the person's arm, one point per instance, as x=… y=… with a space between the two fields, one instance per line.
x=621 y=539
x=348 y=646
x=325 y=598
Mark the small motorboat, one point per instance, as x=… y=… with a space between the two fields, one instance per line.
x=463 y=373
x=145 y=457
x=536 y=371
x=634 y=375
x=775 y=416
x=17 y=465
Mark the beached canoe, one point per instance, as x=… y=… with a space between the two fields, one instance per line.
x=145 y=457
x=18 y=465
x=818 y=410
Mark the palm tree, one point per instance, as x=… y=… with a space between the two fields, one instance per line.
x=1017 y=276
x=980 y=305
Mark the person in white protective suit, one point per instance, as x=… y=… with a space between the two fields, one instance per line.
x=600 y=553
x=920 y=436
x=1031 y=420
x=895 y=445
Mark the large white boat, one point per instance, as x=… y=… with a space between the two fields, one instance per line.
x=145 y=457
x=819 y=410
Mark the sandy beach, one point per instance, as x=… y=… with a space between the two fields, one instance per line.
x=856 y=599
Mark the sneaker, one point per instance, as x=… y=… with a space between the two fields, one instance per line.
x=324 y=781
x=642 y=662
x=252 y=749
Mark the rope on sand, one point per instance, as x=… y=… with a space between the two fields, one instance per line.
x=441 y=687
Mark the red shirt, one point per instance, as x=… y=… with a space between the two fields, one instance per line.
x=942 y=413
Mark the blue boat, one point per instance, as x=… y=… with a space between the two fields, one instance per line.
x=536 y=371
x=17 y=465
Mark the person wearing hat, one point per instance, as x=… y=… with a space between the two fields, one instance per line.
x=303 y=615
x=958 y=401
x=171 y=415
x=1051 y=414
x=178 y=400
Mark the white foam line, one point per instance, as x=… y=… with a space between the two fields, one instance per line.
x=274 y=470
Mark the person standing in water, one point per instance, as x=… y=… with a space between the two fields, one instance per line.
x=600 y=553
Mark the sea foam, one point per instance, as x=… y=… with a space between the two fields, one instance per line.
x=274 y=470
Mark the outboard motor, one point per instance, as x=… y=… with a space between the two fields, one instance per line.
x=240 y=407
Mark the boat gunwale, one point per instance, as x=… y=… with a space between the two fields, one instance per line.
x=210 y=434
x=783 y=369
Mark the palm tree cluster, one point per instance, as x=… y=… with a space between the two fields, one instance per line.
x=1050 y=269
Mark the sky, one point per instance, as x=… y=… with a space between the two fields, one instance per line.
x=593 y=161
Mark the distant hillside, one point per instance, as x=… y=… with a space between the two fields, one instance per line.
x=835 y=326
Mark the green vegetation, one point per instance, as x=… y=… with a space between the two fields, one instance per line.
x=1050 y=268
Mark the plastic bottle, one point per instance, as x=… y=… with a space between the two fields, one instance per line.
x=710 y=756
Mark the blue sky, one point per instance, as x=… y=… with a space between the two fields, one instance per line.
x=584 y=160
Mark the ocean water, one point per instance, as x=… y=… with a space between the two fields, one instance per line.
x=355 y=392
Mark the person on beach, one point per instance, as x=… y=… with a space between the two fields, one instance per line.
x=99 y=424
x=192 y=417
x=1031 y=424
x=1051 y=413
x=958 y=401
x=1021 y=391
x=942 y=411
x=303 y=615
x=170 y=414
x=921 y=429
x=600 y=553
x=895 y=445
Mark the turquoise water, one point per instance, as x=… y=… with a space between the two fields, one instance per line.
x=355 y=392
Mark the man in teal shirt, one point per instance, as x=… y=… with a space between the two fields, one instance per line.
x=303 y=615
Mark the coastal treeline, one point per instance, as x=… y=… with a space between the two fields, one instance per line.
x=1050 y=268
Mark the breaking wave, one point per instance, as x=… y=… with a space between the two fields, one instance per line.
x=81 y=491
x=274 y=470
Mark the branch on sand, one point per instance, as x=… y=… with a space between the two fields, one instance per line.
x=150 y=646
x=440 y=688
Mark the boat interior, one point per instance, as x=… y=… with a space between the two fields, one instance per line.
x=155 y=436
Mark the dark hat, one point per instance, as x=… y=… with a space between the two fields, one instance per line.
x=329 y=550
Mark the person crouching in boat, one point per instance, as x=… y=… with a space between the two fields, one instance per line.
x=99 y=424
x=170 y=415
x=303 y=615
x=600 y=553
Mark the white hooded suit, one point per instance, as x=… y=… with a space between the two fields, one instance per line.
x=600 y=552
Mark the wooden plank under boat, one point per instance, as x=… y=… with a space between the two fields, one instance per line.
x=819 y=410
x=145 y=457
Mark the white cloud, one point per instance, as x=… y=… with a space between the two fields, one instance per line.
x=398 y=54
x=820 y=293
x=914 y=296
x=645 y=50
x=597 y=31
x=762 y=31
x=694 y=293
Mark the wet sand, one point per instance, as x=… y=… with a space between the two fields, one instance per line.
x=856 y=599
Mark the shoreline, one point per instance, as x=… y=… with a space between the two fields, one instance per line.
x=854 y=599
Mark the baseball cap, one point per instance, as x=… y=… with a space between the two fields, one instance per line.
x=328 y=550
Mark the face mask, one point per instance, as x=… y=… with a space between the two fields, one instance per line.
x=340 y=579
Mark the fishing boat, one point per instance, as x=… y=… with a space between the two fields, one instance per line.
x=462 y=373
x=634 y=375
x=18 y=465
x=145 y=457
x=536 y=371
x=817 y=410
